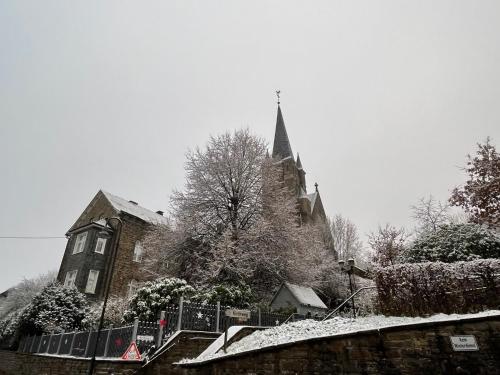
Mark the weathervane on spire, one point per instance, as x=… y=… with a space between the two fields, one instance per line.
x=278 y=92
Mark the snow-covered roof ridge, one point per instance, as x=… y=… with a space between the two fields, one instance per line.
x=305 y=295
x=121 y=204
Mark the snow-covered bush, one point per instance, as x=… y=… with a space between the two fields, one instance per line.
x=155 y=296
x=9 y=330
x=227 y=294
x=115 y=308
x=56 y=308
x=21 y=295
x=453 y=243
x=424 y=288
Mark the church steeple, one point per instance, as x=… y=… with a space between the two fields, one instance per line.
x=299 y=163
x=281 y=147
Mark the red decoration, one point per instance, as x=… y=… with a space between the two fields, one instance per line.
x=163 y=323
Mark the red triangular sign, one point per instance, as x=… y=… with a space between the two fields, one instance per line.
x=132 y=353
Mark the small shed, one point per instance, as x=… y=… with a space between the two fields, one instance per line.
x=303 y=298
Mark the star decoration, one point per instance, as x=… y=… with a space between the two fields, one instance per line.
x=199 y=315
x=277 y=322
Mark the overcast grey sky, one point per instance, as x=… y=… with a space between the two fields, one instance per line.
x=383 y=100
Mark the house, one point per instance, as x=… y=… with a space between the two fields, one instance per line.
x=303 y=298
x=87 y=258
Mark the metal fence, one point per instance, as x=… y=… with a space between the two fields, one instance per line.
x=113 y=342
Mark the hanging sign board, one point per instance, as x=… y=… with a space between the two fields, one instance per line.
x=238 y=314
x=464 y=343
x=132 y=353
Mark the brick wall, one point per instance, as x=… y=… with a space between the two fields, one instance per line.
x=13 y=363
x=418 y=349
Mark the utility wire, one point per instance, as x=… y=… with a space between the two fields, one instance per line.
x=30 y=237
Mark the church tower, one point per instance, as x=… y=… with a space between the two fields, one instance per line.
x=294 y=176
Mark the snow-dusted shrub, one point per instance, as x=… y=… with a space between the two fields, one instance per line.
x=453 y=243
x=115 y=308
x=9 y=329
x=155 y=296
x=21 y=295
x=56 y=308
x=424 y=288
x=227 y=294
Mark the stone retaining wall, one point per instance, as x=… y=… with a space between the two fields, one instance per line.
x=417 y=349
x=14 y=363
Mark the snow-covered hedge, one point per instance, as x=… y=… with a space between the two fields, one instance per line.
x=415 y=289
x=454 y=243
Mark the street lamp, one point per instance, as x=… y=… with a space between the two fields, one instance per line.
x=349 y=269
x=114 y=249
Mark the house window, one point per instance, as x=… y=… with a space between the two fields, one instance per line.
x=69 y=281
x=80 y=242
x=137 y=252
x=92 y=281
x=133 y=285
x=100 y=245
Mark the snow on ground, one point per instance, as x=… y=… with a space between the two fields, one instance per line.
x=308 y=329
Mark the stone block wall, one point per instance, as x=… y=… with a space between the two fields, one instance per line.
x=13 y=363
x=418 y=349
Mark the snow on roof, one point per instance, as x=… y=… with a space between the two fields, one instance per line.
x=311 y=197
x=134 y=209
x=305 y=295
x=310 y=329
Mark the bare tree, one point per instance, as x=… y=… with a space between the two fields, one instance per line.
x=387 y=244
x=429 y=214
x=223 y=186
x=346 y=240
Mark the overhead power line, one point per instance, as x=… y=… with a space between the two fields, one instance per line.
x=30 y=237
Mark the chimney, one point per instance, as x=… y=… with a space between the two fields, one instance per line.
x=159 y=212
x=133 y=202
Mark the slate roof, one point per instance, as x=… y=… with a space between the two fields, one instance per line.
x=304 y=295
x=281 y=146
x=123 y=205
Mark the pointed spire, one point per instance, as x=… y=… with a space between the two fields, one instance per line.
x=299 y=163
x=281 y=147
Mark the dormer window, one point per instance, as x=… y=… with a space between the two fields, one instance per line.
x=81 y=238
x=100 y=245
x=138 y=252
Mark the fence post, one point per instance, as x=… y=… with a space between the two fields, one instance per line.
x=72 y=344
x=179 y=318
x=32 y=344
x=217 y=317
x=39 y=344
x=160 y=330
x=135 y=329
x=50 y=339
x=60 y=342
x=106 y=346
x=260 y=318
x=87 y=346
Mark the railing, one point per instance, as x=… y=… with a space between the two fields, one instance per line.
x=328 y=316
x=113 y=342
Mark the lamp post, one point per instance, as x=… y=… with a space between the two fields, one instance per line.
x=109 y=276
x=349 y=269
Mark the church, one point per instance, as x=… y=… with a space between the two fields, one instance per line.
x=294 y=176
